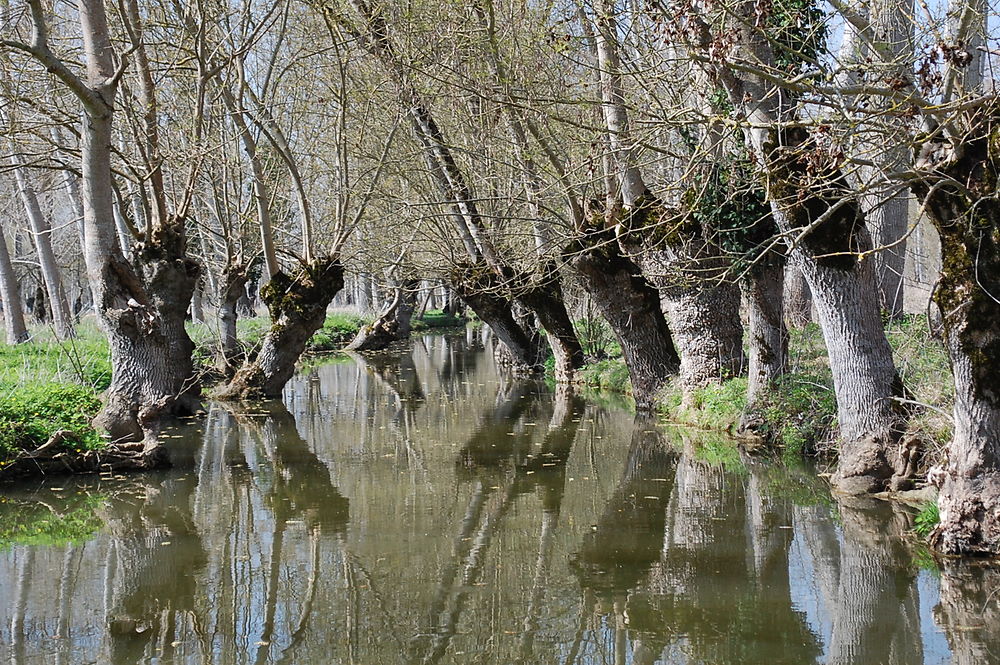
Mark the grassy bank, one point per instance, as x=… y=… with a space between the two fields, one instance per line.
x=47 y=385
x=800 y=414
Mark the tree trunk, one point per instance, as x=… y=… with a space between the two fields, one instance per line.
x=544 y=297
x=958 y=193
x=198 y=304
x=297 y=305
x=480 y=288
x=631 y=307
x=768 y=337
x=703 y=312
x=842 y=281
x=141 y=309
x=41 y=235
x=232 y=289
x=393 y=324
x=143 y=315
x=864 y=376
x=812 y=200
x=798 y=298
x=13 y=310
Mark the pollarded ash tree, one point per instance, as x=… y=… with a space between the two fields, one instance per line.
x=815 y=206
x=957 y=180
x=318 y=157
x=675 y=252
x=484 y=279
x=141 y=305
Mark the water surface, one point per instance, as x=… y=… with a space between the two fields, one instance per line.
x=416 y=507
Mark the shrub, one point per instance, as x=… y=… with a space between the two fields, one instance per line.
x=927 y=519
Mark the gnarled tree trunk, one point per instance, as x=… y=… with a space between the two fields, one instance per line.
x=544 y=297
x=631 y=306
x=703 y=311
x=393 y=324
x=959 y=194
x=480 y=288
x=143 y=315
x=297 y=304
x=812 y=201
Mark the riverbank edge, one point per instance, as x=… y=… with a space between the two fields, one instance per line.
x=799 y=417
x=45 y=426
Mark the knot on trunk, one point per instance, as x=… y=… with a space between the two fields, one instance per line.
x=304 y=294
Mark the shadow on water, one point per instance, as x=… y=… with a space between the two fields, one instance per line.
x=416 y=507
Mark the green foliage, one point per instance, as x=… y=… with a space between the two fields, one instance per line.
x=596 y=338
x=436 y=318
x=717 y=406
x=923 y=366
x=35 y=523
x=798 y=32
x=799 y=414
x=928 y=518
x=30 y=413
x=730 y=207
x=611 y=374
x=337 y=331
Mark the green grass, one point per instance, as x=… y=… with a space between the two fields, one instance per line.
x=48 y=385
x=717 y=407
x=435 y=318
x=35 y=523
x=610 y=374
x=337 y=331
x=29 y=414
x=83 y=360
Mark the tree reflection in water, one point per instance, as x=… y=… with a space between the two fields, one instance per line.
x=490 y=521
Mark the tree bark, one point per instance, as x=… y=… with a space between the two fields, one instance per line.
x=798 y=298
x=232 y=288
x=631 y=305
x=13 y=310
x=703 y=312
x=297 y=305
x=142 y=309
x=143 y=315
x=479 y=286
x=544 y=297
x=958 y=193
x=763 y=292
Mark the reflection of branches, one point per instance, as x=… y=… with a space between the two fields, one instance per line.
x=549 y=472
x=628 y=538
x=300 y=487
x=486 y=451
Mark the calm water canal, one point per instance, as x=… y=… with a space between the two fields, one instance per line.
x=419 y=508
